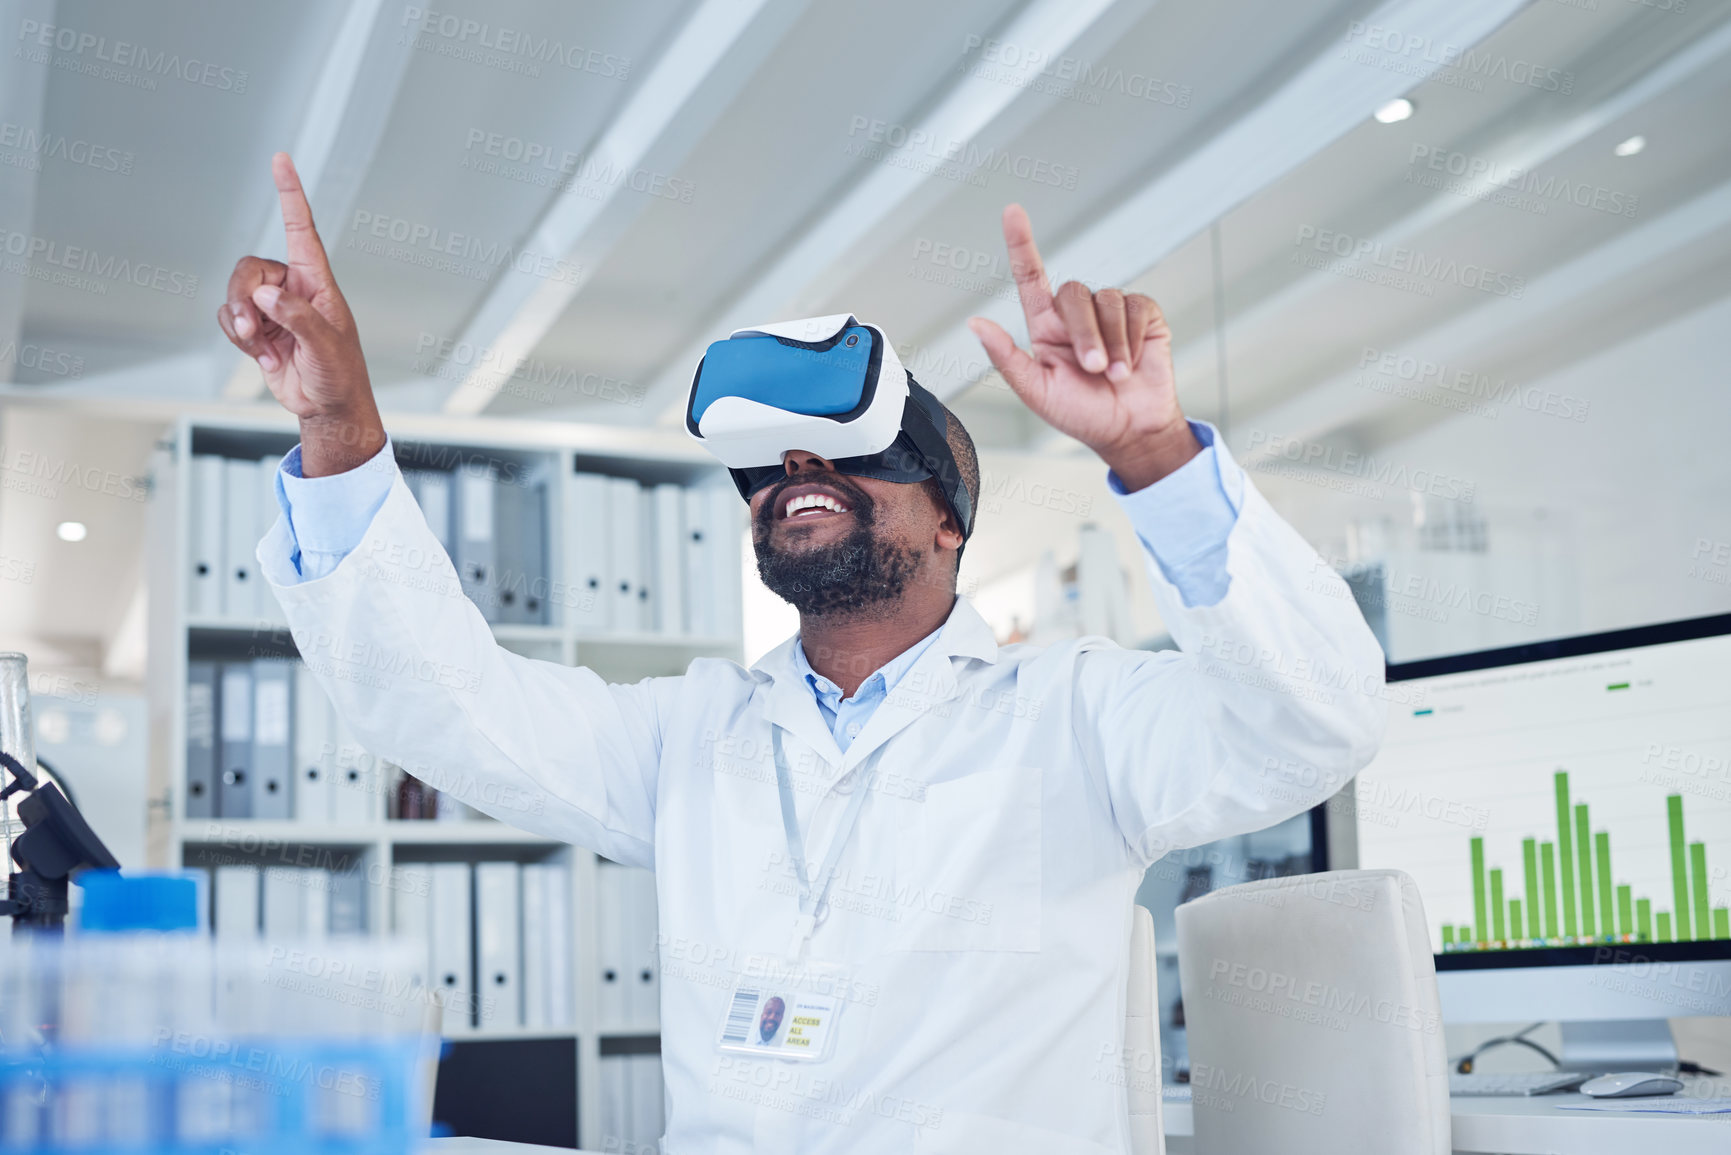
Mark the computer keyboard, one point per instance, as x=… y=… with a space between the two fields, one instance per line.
x=1536 y=1083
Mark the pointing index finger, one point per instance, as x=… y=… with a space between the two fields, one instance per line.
x=305 y=250
x=1025 y=264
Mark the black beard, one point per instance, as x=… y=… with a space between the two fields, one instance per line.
x=846 y=577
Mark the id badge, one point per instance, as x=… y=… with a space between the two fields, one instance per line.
x=787 y=1012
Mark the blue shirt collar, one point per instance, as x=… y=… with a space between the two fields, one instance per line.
x=878 y=685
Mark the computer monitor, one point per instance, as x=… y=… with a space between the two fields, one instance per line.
x=1565 y=808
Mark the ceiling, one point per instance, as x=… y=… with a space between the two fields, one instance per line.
x=541 y=213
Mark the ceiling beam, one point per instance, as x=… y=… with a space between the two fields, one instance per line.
x=1517 y=151
x=351 y=103
x=1339 y=402
x=178 y=378
x=1325 y=99
x=713 y=55
x=982 y=113
x=23 y=92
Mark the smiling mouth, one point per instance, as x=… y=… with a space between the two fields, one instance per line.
x=812 y=506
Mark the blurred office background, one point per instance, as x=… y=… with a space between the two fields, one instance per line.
x=1452 y=277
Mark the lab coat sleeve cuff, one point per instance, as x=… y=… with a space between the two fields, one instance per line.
x=1185 y=519
x=326 y=517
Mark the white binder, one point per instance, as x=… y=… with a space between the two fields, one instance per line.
x=643 y=963
x=498 y=944
x=520 y=537
x=586 y=542
x=612 y=1003
x=699 y=552
x=314 y=753
x=449 y=933
x=239 y=516
x=536 y=949
x=206 y=559
x=646 y=1101
x=727 y=529
x=432 y=492
x=348 y=901
x=234 y=742
x=272 y=714
x=202 y=755
x=234 y=908
x=615 y=1102
x=284 y=902
x=475 y=556
x=624 y=555
x=355 y=788
x=667 y=578
x=411 y=911
x=266 y=511
x=561 y=975
x=315 y=902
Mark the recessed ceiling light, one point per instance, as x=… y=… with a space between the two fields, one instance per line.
x=1395 y=111
x=71 y=531
x=1631 y=146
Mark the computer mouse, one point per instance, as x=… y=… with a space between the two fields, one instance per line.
x=1630 y=1084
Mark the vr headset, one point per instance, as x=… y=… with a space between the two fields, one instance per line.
x=828 y=385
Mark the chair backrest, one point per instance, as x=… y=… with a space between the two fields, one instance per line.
x=1141 y=1065
x=1310 y=1007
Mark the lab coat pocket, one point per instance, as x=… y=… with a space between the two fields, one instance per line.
x=968 y=863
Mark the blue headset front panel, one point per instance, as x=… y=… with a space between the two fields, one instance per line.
x=823 y=383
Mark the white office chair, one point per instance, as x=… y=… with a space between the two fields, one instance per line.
x=1310 y=1005
x=1142 y=1040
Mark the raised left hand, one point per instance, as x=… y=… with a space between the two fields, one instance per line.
x=1098 y=368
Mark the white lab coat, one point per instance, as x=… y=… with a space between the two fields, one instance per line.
x=983 y=904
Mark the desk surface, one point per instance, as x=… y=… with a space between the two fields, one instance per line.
x=1526 y=1125
x=1537 y=1125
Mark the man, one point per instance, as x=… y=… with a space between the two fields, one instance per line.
x=954 y=946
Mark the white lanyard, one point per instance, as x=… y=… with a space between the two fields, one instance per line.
x=814 y=902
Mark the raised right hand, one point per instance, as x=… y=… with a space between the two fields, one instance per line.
x=292 y=320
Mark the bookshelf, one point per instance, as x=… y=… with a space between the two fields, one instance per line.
x=376 y=845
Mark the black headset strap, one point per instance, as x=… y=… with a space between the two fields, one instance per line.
x=934 y=449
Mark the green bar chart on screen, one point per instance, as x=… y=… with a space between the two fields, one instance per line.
x=1571 y=895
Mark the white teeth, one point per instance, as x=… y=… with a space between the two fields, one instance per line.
x=807 y=501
